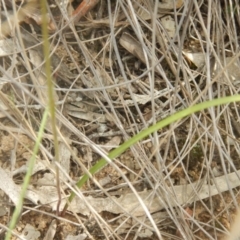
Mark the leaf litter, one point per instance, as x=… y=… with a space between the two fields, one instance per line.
x=117 y=99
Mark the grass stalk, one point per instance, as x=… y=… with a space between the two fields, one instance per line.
x=140 y=136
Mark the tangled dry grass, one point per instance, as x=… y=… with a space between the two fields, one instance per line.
x=122 y=67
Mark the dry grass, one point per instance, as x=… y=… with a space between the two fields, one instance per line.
x=116 y=72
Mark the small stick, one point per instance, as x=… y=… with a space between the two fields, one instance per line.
x=83 y=8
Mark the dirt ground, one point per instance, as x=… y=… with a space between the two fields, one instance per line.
x=118 y=69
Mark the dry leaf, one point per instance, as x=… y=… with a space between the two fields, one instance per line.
x=229 y=71
x=64 y=160
x=8 y=186
x=198 y=59
x=30 y=233
x=81 y=236
x=51 y=230
x=186 y=193
x=133 y=46
x=113 y=143
x=143 y=11
x=169 y=24
x=88 y=116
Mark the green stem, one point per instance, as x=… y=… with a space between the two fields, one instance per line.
x=163 y=123
x=27 y=177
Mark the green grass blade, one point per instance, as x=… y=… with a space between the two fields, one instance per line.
x=163 y=123
x=27 y=177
